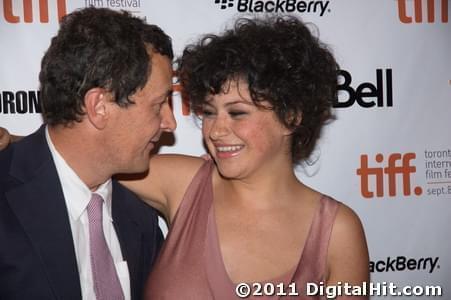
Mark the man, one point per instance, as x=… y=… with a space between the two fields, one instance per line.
x=67 y=230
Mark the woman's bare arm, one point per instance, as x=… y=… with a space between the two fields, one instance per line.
x=166 y=181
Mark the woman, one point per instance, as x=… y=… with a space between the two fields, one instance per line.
x=263 y=91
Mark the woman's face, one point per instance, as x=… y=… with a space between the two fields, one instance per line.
x=242 y=138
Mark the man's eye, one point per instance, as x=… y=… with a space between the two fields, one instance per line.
x=157 y=107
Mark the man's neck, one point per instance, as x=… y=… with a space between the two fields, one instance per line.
x=81 y=152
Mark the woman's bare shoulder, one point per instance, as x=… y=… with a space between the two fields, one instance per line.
x=347 y=222
x=348 y=252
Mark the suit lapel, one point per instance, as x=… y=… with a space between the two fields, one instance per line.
x=129 y=235
x=40 y=207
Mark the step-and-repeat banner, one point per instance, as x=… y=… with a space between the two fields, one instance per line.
x=388 y=153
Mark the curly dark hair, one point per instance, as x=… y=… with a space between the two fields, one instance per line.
x=96 y=47
x=282 y=62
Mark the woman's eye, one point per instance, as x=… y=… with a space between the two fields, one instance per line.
x=237 y=113
x=207 y=113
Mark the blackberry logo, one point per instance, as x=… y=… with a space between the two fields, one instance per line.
x=276 y=6
x=224 y=3
x=402 y=263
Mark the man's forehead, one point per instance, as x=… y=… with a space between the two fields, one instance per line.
x=160 y=64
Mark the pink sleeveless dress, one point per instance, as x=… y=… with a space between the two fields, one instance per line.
x=190 y=264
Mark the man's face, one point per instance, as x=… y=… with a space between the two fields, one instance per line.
x=136 y=128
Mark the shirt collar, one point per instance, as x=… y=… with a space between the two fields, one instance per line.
x=76 y=193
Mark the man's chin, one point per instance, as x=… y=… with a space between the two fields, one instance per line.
x=136 y=167
x=141 y=168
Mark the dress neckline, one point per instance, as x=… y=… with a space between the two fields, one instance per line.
x=213 y=241
x=214 y=260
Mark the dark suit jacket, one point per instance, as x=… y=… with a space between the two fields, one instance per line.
x=37 y=256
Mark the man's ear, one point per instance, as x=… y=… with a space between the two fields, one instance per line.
x=96 y=106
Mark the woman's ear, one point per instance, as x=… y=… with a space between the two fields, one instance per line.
x=96 y=106
x=293 y=119
x=296 y=118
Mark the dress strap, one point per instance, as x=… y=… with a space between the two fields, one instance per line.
x=194 y=193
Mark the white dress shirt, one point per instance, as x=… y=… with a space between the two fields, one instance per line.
x=77 y=196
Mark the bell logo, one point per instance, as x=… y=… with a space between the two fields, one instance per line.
x=11 y=16
x=366 y=94
x=404 y=17
x=387 y=173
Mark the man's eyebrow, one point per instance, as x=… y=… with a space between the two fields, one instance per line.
x=164 y=95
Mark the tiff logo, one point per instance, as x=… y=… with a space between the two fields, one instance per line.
x=12 y=16
x=224 y=3
x=418 y=10
x=389 y=172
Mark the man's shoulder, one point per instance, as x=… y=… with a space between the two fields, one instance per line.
x=134 y=204
x=5 y=157
x=21 y=157
x=5 y=166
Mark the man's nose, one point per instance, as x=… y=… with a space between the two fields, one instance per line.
x=168 y=122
